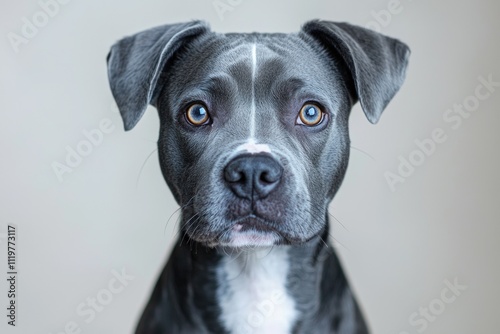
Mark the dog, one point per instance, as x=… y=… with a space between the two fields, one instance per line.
x=254 y=144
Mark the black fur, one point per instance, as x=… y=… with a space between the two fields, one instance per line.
x=333 y=64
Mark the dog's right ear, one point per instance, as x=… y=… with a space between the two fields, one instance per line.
x=136 y=62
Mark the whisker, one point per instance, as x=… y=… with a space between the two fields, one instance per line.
x=189 y=223
x=324 y=242
x=142 y=167
x=330 y=214
x=168 y=220
x=338 y=242
x=360 y=150
x=179 y=217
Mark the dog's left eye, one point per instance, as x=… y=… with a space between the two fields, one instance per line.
x=310 y=114
x=197 y=114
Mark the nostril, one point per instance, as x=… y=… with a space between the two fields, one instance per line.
x=263 y=178
x=266 y=177
x=241 y=178
x=233 y=176
x=271 y=175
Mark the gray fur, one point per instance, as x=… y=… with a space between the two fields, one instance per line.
x=335 y=64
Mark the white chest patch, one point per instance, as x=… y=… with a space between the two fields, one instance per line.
x=253 y=294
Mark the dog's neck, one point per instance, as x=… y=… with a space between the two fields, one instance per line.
x=260 y=290
x=253 y=294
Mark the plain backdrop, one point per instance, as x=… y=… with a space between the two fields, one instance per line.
x=111 y=212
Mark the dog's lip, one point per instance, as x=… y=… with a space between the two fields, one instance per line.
x=252 y=231
x=252 y=238
x=255 y=223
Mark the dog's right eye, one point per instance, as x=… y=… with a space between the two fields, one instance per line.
x=197 y=114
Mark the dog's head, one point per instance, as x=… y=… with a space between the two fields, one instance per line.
x=254 y=127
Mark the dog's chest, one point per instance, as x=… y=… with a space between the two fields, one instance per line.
x=252 y=292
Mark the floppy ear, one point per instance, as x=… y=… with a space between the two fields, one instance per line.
x=376 y=63
x=136 y=62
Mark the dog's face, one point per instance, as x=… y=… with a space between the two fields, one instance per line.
x=260 y=132
x=254 y=127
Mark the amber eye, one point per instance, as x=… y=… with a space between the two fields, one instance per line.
x=310 y=115
x=197 y=114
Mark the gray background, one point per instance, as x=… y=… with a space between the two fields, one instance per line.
x=112 y=211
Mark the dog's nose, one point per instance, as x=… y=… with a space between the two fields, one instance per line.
x=253 y=176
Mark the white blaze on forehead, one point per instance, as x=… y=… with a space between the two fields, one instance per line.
x=252 y=108
x=251 y=145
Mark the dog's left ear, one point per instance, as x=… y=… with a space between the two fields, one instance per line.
x=377 y=63
x=136 y=62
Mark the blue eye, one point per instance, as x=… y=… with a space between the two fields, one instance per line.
x=310 y=115
x=197 y=114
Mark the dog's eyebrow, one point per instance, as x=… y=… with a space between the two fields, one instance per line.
x=296 y=88
x=217 y=83
x=287 y=88
x=220 y=86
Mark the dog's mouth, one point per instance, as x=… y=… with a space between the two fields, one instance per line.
x=252 y=223
x=250 y=231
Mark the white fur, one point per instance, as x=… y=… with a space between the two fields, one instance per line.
x=252 y=147
x=253 y=295
x=250 y=238
x=254 y=71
